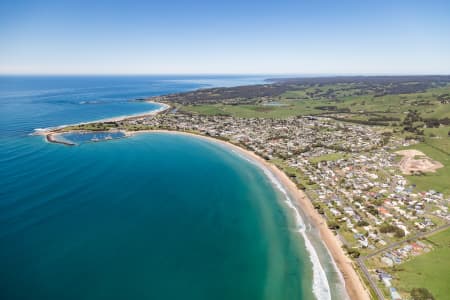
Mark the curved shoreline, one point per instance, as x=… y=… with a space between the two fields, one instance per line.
x=353 y=285
x=50 y=130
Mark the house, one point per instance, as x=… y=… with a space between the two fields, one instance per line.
x=394 y=294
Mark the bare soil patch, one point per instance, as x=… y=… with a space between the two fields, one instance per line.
x=415 y=161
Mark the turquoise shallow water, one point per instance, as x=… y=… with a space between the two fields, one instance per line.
x=155 y=216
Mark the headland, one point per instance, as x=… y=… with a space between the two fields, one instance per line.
x=336 y=140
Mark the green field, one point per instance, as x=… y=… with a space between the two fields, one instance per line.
x=409 y=115
x=349 y=103
x=429 y=270
x=290 y=108
x=354 y=105
x=437 y=148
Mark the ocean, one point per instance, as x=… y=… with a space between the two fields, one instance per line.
x=154 y=216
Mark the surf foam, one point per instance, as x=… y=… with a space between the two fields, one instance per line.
x=321 y=288
x=162 y=108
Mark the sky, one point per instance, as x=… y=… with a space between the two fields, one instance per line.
x=225 y=37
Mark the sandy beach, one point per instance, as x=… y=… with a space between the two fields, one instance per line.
x=353 y=285
x=52 y=130
x=163 y=108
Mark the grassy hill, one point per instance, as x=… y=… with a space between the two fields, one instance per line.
x=346 y=101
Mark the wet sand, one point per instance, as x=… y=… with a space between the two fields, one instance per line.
x=353 y=285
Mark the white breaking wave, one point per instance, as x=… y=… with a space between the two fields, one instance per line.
x=321 y=288
x=162 y=108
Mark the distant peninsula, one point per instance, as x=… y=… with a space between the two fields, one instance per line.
x=334 y=142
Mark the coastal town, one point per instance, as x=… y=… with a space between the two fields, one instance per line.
x=225 y=150
x=350 y=172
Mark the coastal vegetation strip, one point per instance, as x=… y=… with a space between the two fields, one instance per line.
x=352 y=283
x=336 y=140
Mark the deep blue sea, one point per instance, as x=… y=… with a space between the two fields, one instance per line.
x=155 y=216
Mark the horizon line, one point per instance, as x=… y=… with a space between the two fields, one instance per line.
x=229 y=74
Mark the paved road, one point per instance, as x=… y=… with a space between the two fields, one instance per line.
x=372 y=283
x=363 y=267
x=360 y=260
x=396 y=244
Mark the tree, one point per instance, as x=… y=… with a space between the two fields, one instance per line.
x=432 y=123
x=362 y=223
x=301 y=186
x=333 y=225
x=352 y=252
x=372 y=210
x=399 y=233
x=386 y=228
x=421 y=294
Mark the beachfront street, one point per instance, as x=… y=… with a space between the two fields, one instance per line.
x=349 y=171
